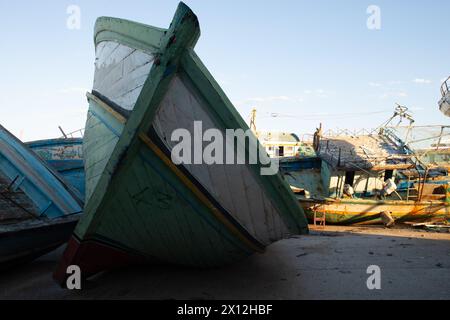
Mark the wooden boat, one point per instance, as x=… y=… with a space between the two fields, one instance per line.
x=38 y=211
x=65 y=155
x=140 y=206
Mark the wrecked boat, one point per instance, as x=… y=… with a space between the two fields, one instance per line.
x=416 y=163
x=38 y=211
x=140 y=205
x=65 y=155
x=444 y=103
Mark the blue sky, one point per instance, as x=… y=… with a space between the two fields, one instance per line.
x=307 y=61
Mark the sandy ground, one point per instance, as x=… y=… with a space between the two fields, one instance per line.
x=328 y=264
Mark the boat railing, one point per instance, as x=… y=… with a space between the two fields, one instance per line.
x=75 y=134
x=445 y=87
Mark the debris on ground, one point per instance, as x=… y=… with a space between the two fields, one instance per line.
x=386 y=218
x=440 y=225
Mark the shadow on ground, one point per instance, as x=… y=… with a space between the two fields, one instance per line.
x=323 y=265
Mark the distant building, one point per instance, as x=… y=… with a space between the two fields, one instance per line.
x=283 y=144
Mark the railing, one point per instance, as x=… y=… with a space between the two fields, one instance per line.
x=75 y=134
x=393 y=138
x=444 y=87
x=347 y=133
x=307 y=138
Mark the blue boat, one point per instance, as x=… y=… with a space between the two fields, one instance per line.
x=38 y=209
x=65 y=155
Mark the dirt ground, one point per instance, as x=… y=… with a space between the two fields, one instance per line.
x=329 y=263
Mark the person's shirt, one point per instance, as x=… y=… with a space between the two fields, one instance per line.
x=390 y=186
